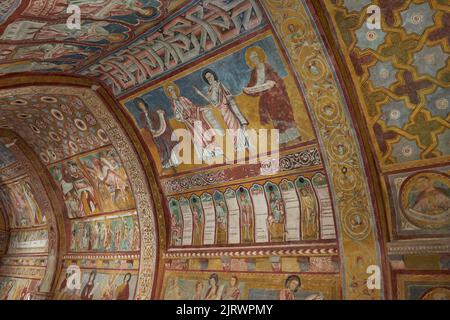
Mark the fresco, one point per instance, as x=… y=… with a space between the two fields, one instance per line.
x=98 y=285
x=24 y=260
x=46 y=56
x=3 y=241
x=100 y=32
x=57 y=127
x=6 y=157
x=280 y=260
x=24 y=269
x=422 y=206
x=400 y=76
x=257 y=222
x=401 y=132
x=106 y=169
x=227 y=98
x=303 y=158
x=285 y=210
x=104 y=24
x=311 y=227
x=31 y=252
x=19 y=203
x=29 y=241
x=248 y=286
x=106 y=234
x=130 y=12
x=400 y=73
x=100 y=215
x=425 y=200
x=107 y=23
x=436 y=294
x=3 y=224
x=164 y=49
x=92 y=184
x=7 y=8
x=16 y=288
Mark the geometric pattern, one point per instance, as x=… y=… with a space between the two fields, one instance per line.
x=417 y=18
x=404 y=75
x=430 y=60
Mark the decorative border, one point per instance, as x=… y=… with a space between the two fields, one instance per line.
x=347 y=171
x=302 y=159
x=100 y=256
x=394 y=201
x=327 y=251
x=29 y=272
x=419 y=246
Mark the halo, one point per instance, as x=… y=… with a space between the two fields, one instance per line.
x=171 y=84
x=259 y=51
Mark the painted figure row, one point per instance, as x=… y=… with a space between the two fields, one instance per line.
x=215 y=289
x=28 y=240
x=17 y=289
x=288 y=211
x=110 y=235
x=96 y=285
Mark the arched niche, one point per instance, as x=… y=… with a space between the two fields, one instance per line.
x=124 y=144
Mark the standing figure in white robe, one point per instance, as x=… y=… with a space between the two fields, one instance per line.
x=192 y=116
x=220 y=97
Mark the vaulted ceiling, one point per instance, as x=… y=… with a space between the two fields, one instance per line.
x=36 y=37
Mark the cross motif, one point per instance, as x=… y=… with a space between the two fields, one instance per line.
x=387 y=10
x=443 y=32
x=358 y=62
x=411 y=87
x=399 y=48
x=383 y=136
x=423 y=129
